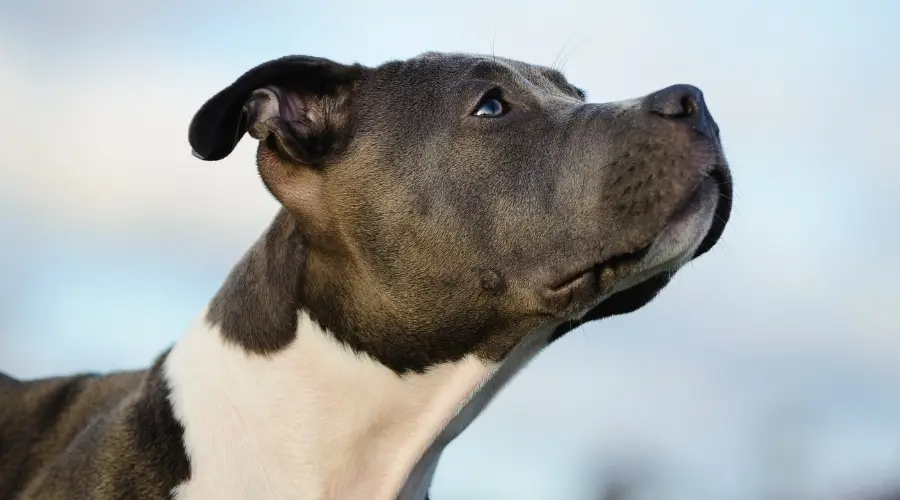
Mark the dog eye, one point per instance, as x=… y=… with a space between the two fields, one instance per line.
x=491 y=106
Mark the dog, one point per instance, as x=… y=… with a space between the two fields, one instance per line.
x=443 y=219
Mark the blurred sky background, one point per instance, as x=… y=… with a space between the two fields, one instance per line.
x=769 y=367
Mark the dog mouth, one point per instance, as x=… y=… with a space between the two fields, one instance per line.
x=601 y=278
x=613 y=265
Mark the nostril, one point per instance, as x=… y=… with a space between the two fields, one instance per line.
x=677 y=101
x=688 y=106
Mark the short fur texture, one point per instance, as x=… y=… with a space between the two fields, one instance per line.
x=417 y=237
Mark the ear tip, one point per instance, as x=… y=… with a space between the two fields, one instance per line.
x=201 y=146
x=203 y=142
x=209 y=155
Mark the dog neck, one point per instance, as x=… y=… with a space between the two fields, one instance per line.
x=313 y=419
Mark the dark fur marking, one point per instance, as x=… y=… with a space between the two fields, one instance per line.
x=157 y=434
x=257 y=306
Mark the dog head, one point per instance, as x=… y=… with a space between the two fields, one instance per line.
x=450 y=204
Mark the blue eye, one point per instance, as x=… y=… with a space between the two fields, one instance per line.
x=490 y=108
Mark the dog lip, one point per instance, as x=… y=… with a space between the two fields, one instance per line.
x=580 y=277
x=691 y=200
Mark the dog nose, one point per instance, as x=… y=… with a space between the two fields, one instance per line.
x=685 y=104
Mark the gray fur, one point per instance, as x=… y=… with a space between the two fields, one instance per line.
x=411 y=230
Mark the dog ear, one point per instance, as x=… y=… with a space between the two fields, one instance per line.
x=299 y=101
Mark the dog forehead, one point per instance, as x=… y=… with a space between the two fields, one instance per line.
x=447 y=68
x=464 y=60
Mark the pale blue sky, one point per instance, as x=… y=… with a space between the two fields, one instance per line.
x=108 y=253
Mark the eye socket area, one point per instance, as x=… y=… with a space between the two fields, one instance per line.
x=491 y=105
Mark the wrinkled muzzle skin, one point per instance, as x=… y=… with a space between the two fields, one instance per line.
x=432 y=230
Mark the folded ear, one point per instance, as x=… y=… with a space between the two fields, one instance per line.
x=300 y=101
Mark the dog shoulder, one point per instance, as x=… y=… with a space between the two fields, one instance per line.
x=113 y=437
x=42 y=420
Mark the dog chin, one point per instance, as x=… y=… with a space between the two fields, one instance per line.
x=675 y=246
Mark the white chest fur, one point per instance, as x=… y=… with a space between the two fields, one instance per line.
x=316 y=421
